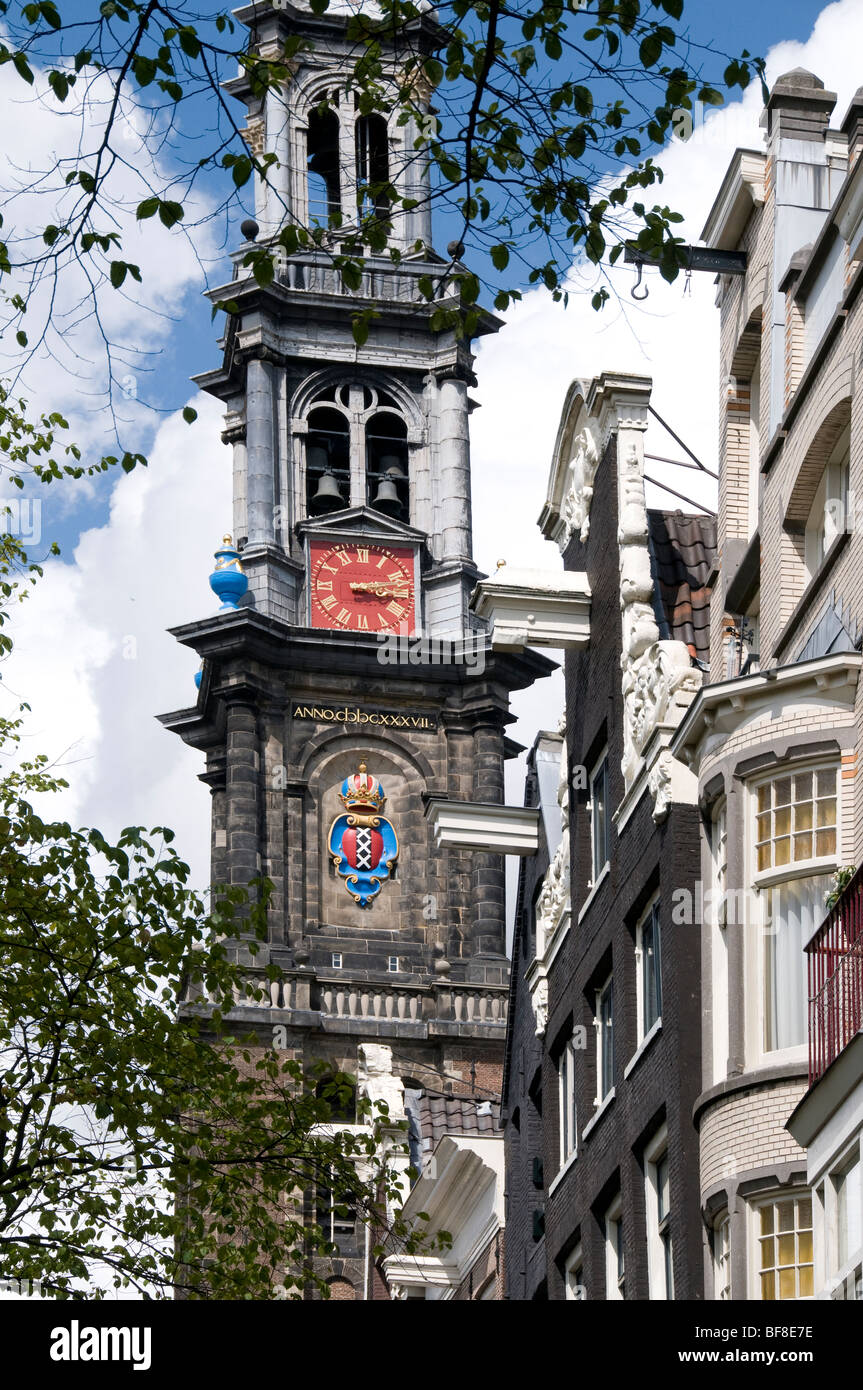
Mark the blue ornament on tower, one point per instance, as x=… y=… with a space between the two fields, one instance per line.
x=228 y=582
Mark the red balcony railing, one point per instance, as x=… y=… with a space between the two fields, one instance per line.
x=835 y=955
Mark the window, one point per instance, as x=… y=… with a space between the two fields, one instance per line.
x=649 y=964
x=849 y=1214
x=372 y=152
x=568 y=1113
x=598 y=807
x=615 y=1258
x=793 y=912
x=335 y=1213
x=393 y=965
x=722 y=1260
x=573 y=1276
x=828 y=516
x=604 y=1025
x=328 y=466
x=357 y=452
x=796 y=817
x=325 y=199
x=784 y=1249
x=658 y=1208
x=337 y=960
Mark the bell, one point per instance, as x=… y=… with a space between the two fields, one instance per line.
x=327 y=498
x=392 y=464
x=387 y=498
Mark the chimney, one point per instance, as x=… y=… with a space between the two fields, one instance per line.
x=799 y=108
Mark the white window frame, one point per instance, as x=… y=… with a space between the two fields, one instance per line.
x=757 y=1051
x=755 y=1209
x=596 y=869
x=718 y=922
x=392 y=969
x=659 y=1223
x=722 y=1259
x=567 y=1109
x=615 y=1252
x=603 y=1094
x=839 y=1265
x=573 y=1275
x=336 y=960
x=828 y=515
x=643 y=1028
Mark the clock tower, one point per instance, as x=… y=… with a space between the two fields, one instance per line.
x=353 y=686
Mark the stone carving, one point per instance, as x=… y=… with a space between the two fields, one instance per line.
x=554 y=900
x=255 y=135
x=658 y=687
x=377 y=1081
x=539 y=1000
x=578 y=488
x=659 y=783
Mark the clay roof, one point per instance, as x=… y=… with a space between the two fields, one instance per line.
x=682 y=558
x=442 y=1115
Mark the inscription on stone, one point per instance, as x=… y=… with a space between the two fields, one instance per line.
x=356 y=714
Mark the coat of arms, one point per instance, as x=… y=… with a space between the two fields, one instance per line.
x=363 y=844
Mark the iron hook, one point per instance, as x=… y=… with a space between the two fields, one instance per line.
x=634 y=290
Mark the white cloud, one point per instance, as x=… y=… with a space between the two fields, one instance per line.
x=93 y=656
x=146 y=569
x=673 y=337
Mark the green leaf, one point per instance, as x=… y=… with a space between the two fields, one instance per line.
x=190 y=416
x=650 y=49
x=500 y=257
x=118 y=273
x=148 y=208
x=170 y=213
x=21 y=338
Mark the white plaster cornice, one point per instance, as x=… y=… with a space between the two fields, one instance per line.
x=718 y=710
x=536 y=608
x=742 y=189
x=592 y=412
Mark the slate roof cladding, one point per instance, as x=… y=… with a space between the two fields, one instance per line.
x=442 y=1115
x=682 y=558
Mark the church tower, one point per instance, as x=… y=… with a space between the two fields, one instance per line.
x=353 y=686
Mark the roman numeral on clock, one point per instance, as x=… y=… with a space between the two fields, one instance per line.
x=363 y=557
x=329 y=603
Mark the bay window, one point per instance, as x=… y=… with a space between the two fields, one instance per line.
x=783 y=1246
x=795 y=849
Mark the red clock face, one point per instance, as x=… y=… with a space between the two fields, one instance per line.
x=362 y=588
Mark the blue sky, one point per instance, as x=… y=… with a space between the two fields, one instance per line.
x=189 y=345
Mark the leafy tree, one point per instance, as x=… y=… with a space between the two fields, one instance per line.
x=133 y=1151
x=549 y=118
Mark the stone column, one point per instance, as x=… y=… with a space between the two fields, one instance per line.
x=454 y=469
x=261 y=453
x=243 y=793
x=218 y=837
x=487 y=932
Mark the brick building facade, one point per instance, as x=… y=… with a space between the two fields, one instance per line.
x=775 y=738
